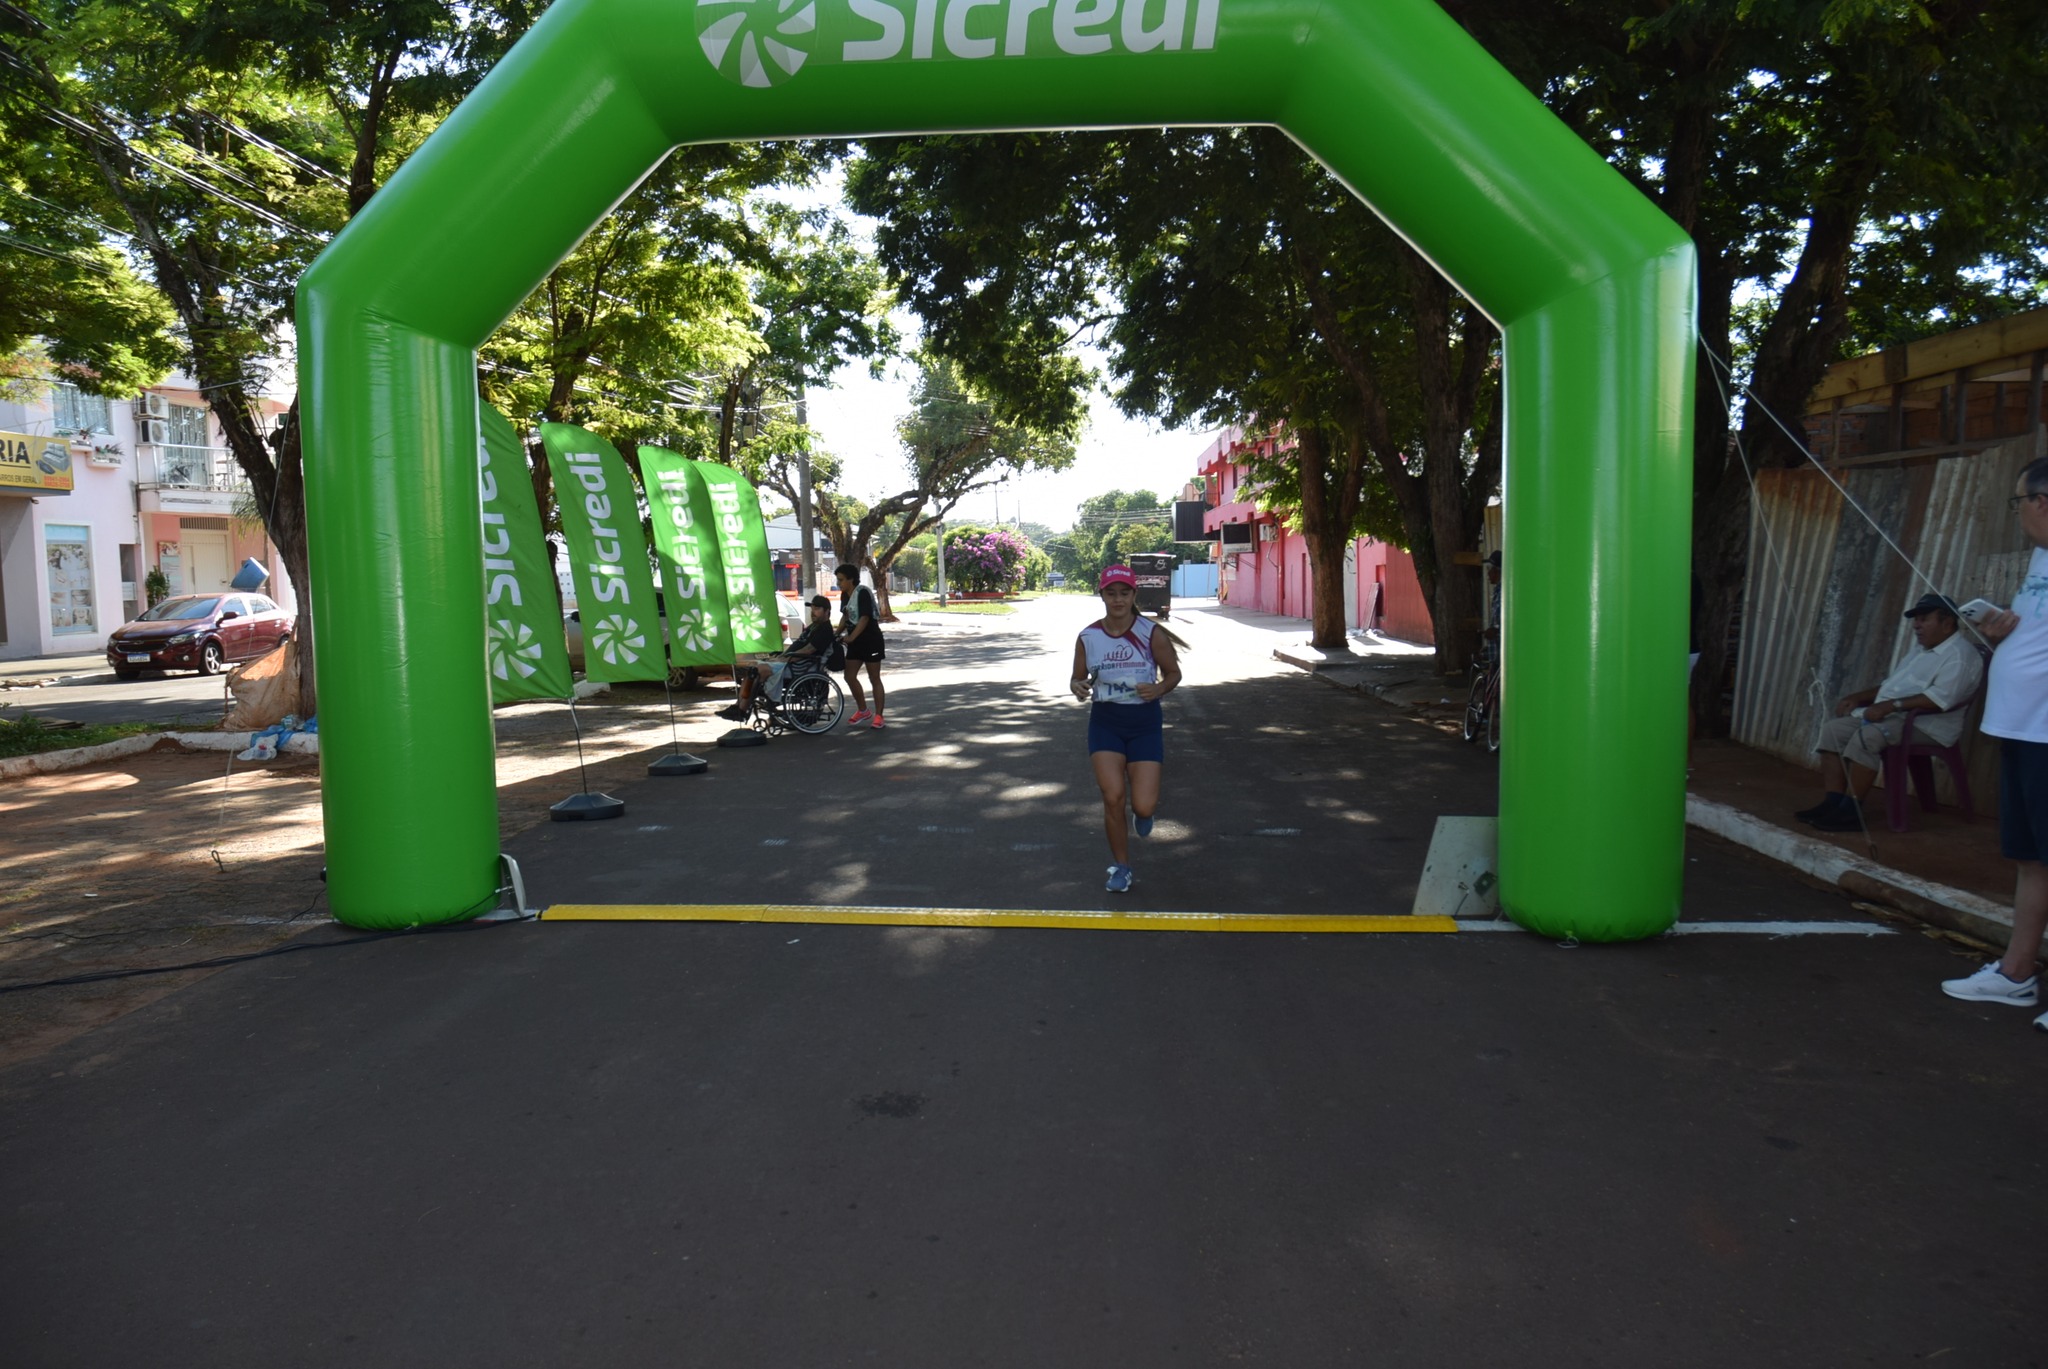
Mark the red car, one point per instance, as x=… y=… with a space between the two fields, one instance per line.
x=201 y=632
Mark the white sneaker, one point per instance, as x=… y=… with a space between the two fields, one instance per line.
x=2041 y=1023
x=1988 y=985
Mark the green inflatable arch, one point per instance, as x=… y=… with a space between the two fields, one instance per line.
x=1593 y=288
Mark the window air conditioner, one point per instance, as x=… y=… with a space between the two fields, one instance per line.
x=153 y=432
x=1268 y=532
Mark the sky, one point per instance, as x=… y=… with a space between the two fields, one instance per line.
x=856 y=420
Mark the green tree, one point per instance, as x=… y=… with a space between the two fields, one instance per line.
x=1248 y=287
x=914 y=563
x=210 y=140
x=1108 y=528
x=1037 y=566
x=635 y=333
x=1037 y=534
x=1854 y=173
x=955 y=441
x=820 y=300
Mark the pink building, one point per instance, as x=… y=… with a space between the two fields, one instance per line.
x=1265 y=566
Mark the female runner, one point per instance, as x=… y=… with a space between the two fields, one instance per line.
x=1126 y=664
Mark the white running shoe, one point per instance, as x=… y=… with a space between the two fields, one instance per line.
x=1988 y=985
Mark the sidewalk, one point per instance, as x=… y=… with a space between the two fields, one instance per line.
x=41 y=670
x=1944 y=870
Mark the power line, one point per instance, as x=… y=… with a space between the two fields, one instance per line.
x=73 y=124
x=54 y=255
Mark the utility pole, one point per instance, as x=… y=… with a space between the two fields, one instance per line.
x=807 y=555
x=940 y=548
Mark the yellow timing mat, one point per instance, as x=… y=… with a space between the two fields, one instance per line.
x=986 y=917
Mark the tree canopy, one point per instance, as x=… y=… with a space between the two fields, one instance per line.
x=1231 y=279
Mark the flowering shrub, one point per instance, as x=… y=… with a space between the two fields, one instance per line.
x=981 y=562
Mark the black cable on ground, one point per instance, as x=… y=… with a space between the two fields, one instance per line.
x=218 y=961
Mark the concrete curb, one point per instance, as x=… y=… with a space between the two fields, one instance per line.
x=1309 y=658
x=1957 y=910
x=77 y=757
x=44 y=762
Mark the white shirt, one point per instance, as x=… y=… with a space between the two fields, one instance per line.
x=1946 y=673
x=2016 y=705
x=1120 y=664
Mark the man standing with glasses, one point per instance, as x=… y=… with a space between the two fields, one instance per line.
x=2016 y=712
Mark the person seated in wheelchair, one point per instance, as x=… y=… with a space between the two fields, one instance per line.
x=807 y=652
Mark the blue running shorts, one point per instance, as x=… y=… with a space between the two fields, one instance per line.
x=1137 y=732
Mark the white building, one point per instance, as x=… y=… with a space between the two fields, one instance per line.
x=96 y=493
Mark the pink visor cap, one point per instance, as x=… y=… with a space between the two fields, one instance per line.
x=1116 y=575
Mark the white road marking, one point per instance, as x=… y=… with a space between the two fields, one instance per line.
x=1719 y=928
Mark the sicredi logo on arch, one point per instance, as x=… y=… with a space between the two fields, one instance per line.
x=762 y=43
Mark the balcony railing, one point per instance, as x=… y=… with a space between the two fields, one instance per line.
x=176 y=467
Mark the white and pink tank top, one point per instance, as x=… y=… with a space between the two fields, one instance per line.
x=1120 y=664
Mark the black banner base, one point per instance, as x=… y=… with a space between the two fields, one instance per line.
x=679 y=763
x=588 y=808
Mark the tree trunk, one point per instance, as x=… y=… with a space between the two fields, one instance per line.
x=279 y=489
x=880 y=576
x=1326 y=526
x=1329 y=629
x=1449 y=388
x=1804 y=331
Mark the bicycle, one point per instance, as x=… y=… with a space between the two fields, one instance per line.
x=812 y=703
x=1482 y=705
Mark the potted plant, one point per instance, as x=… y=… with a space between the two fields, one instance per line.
x=156 y=586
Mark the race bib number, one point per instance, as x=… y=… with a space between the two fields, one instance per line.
x=1119 y=683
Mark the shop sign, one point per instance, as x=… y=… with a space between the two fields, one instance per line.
x=34 y=465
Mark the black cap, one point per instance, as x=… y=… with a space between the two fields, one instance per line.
x=1934 y=603
x=1493 y=559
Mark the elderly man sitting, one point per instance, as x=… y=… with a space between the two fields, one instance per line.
x=1938 y=673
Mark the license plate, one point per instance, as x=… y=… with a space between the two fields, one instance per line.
x=138 y=655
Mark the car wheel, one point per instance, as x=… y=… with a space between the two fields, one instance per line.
x=127 y=672
x=210 y=659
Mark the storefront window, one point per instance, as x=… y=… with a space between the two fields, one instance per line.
x=76 y=411
x=69 y=552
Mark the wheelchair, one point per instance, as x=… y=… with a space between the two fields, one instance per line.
x=812 y=701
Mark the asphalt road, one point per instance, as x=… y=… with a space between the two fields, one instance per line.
x=564 y=1144
x=100 y=697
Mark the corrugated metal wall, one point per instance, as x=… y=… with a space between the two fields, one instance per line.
x=1822 y=612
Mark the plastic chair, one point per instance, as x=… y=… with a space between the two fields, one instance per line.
x=1917 y=758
